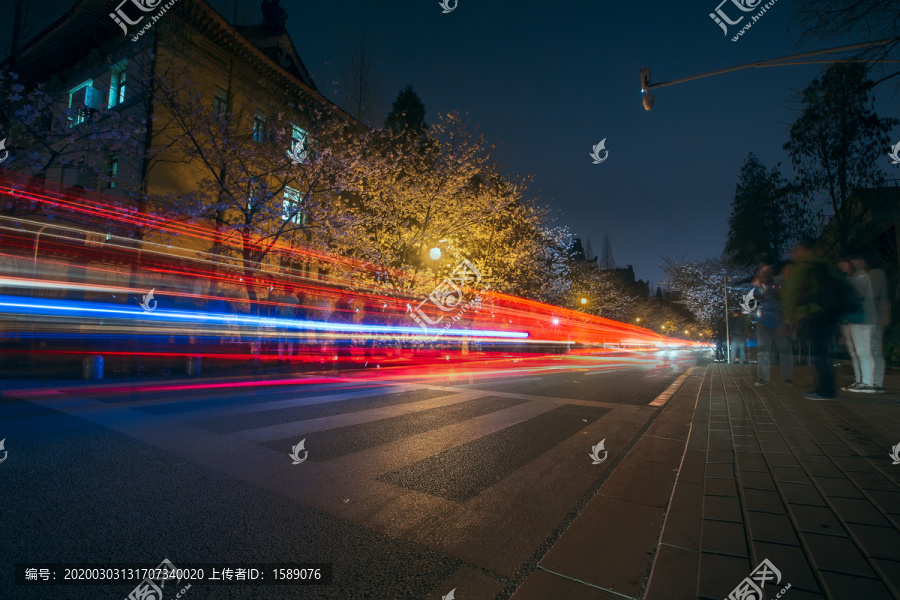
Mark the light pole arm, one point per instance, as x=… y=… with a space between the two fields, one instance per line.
x=777 y=62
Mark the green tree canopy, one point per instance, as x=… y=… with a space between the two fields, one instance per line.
x=837 y=141
x=757 y=227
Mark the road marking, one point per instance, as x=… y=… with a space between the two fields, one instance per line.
x=670 y=391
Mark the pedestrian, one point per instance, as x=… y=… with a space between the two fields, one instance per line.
x=770 y=329
x=813 y=300
x=871 y=288
x=719 y=339
x=853 y=315
x=739 y=326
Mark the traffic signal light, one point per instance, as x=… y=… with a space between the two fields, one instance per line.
x=645 y=88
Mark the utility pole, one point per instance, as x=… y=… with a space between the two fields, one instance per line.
x=727 y=332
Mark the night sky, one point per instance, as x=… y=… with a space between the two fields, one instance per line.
x=548 y=80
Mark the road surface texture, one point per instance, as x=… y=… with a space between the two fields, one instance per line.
x=454 y=478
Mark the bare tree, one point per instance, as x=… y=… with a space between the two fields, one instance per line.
x=362 y=88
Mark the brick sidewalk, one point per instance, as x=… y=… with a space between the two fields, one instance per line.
x=764 y=474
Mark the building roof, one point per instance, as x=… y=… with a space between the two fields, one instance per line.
x=64 y=43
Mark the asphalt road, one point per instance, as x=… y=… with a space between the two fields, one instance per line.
x=416 y=482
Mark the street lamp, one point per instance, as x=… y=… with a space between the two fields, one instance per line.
x=435 y=254
x=637 y=320
x=584 y=300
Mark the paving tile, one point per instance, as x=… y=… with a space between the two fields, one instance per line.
x=541 y=585
x=837 y=554
x=775 y=447
x=792 y=562
x=891 y=570
x=720 y=434
x=768 y=527
x=717 y=456
x=720 y=445
x=791 y=475
x=674 y=575
x=782 y=460
x=823 y=469
x=850 y=463
x=817 y=519
x=848 y=586
x=584 y=551
x=863 y=512
x=722 y=537
x=877 y=542
x=722 y=508
x=756 y=481
x=752 y=464
x=720 y=487
x=721 y=574
x=873 y=481
x=839 y=450
x=798 y=493
x=888 y=501
x=838 y=487
x=647 y=475
x=720 y=470
x=682 y=527
x=764 y=500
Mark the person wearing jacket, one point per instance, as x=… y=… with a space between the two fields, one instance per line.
x=740 y=331
x=770 y=329
x=807 y=308
x=871 y=287
x=852 y=316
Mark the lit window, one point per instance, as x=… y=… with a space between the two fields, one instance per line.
x=117 y=84
x=291 y=206
x=113 y=171
x=220 y=102
x=259 y=127
x=299 y=138
x=81 y=114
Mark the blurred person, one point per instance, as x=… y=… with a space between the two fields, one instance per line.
x=812 y=303
x=739 y=326
x=871 y=287
x=854 y=315
x=770 y=329
x=719 y=339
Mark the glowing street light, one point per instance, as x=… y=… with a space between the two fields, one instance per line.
x=584 y=300
x=435 y=253
x=637 y=320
